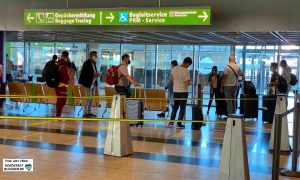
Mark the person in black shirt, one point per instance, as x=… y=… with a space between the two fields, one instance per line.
x=274 y=78
x=88 y=79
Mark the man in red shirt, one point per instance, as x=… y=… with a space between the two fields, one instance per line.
x=64 y=78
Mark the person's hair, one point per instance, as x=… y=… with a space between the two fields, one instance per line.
x=54 y=57
x=174 y=63
x=188 y=60
x=215 y=67
x=93 y=53
x=125 y=56
x=65 y=54
x=274 y=65
x=283 y=63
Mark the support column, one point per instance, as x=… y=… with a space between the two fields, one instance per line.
x=3 y=63
x=3 y=54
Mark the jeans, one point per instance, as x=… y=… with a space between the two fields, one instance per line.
x=211 y=96
x=61 y=101
x=123 y=90
x=88 y=102
x=230 y=94
x=177 y=103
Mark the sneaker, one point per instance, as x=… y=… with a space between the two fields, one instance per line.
x=86 y=116
x=92 y=115
x=169 y=126
x=180 y=126
x=161 y=115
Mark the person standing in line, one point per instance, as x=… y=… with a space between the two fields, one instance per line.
x=275 y=78
x=64 y=78
x=122 y=86
x=213 y=79
x=169 y=87
x=49 y=65
x=230 y=84
x=286 y=74
x=88 y=79
x=9 y=67
x=181 y=80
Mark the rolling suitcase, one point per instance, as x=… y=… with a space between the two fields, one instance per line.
x=269 y=104
x=221 y=105
x=135 y=110
x=197 y=113
x=249 y=108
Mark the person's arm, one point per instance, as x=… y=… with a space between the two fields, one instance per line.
x=171 y=78
x=129 y=78
x=187 y=80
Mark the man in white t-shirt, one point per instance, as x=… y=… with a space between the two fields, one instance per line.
x=181 y=80
x=230 y=84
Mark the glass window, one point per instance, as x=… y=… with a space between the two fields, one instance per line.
x=164 y=59
x=39 y=55
x=150 y=66
x=15 y=51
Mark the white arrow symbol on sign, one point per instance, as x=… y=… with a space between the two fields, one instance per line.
x=204 y=16
x=29 y=18
x=111 y=17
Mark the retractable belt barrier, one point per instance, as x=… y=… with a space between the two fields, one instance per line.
x=119 y=143
x=111 y=97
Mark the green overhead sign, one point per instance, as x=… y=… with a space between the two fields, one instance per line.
x=183 y=16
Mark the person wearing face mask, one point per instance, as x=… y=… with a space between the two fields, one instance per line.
x=213 y=79
x=64 y=78
x=88 y=79
x=122 y=86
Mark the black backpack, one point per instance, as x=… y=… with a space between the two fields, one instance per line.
x=282 y=86
x=294 y=79
x=51 y=74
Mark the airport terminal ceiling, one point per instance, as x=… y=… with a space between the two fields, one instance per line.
x=232 y=22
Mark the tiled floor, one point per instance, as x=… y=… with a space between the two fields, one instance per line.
x=74 y=149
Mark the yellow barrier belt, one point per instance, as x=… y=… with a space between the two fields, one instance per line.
x=111 y=97
x=104 y=119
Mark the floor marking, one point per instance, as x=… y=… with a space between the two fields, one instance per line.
x=22 y=137
x=39 y=123
x=178 y=135
x=103 y=128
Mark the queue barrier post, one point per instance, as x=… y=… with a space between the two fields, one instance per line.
x=281 y=108
x=293 y=172
x=234 y=160
x=118 y=140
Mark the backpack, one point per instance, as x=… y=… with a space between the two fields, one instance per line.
x=282 y=86
x=112 y=76
x=294 y=79
x=51 y=74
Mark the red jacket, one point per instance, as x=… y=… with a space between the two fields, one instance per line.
x=63 y=71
